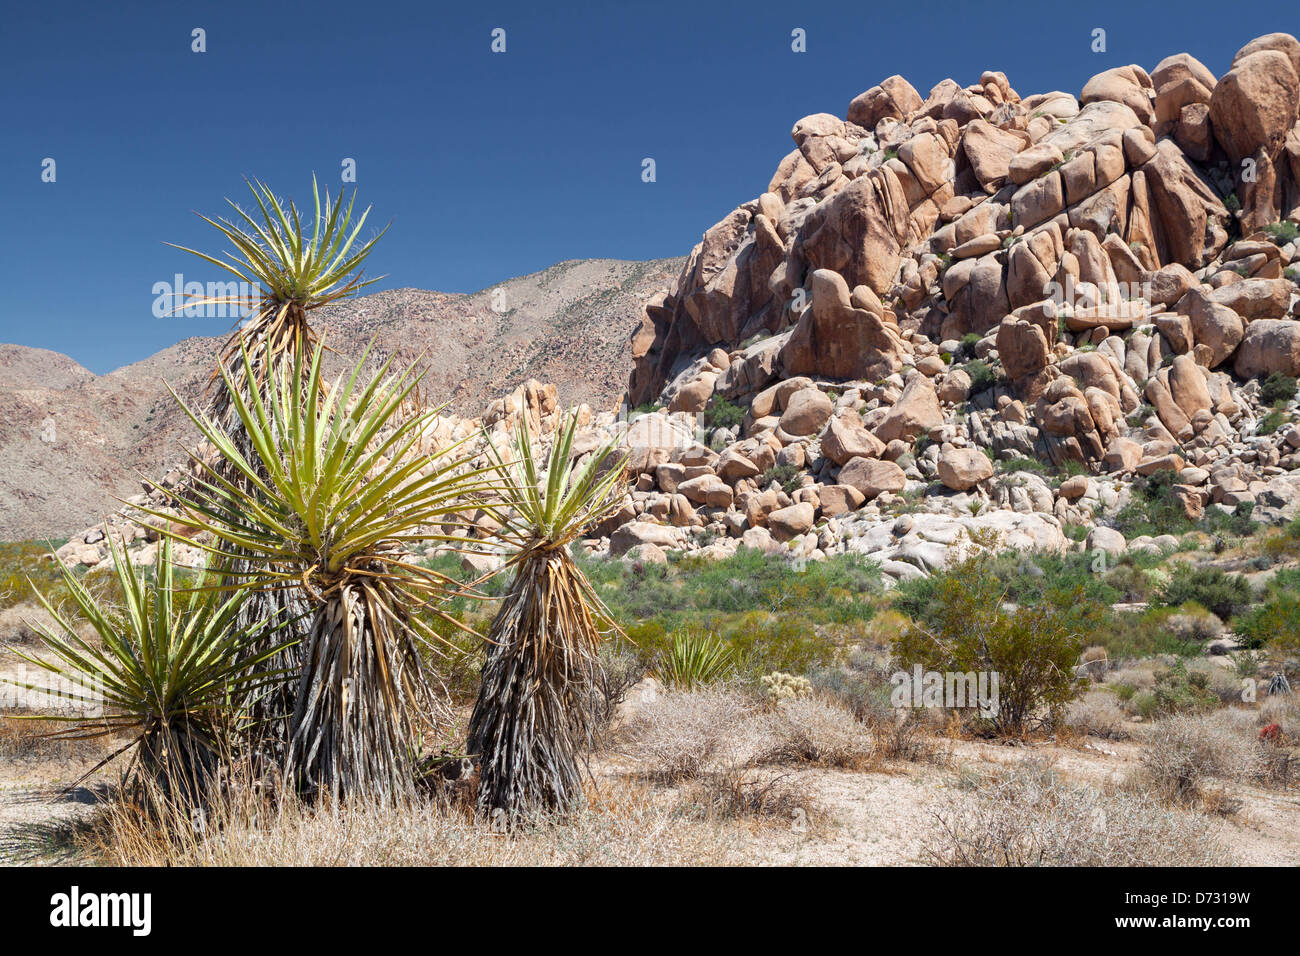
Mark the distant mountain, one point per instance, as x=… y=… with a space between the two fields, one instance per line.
x=71 y=440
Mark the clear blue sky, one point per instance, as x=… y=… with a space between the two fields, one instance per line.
x=489 y=165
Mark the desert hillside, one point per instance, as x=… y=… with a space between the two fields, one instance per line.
x=71 y=440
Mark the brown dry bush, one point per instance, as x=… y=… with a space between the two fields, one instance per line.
x=1097 y=714
x=1029 y=816
x=815 y=731
x=1183 y=753
x=622 y=826
x=685 y=732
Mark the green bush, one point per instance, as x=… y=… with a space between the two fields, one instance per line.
x=787 y=476
x=1033 y=650
x=1179 y=691
x=1278 y=387
x=1224 y=594
x=722 y=413
x=1275 y=623
x=1272 y=422
x=1281 y=232
x=981 y=375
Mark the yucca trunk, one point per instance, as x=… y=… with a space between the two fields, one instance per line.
x=273 y=341
x=178 y=765
x=354 y=731
x=534 y=717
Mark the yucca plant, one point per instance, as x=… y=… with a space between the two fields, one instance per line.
x=692 y=661
x=538 y=700
x=295 y=273
x=332 y=495
x=173 y=669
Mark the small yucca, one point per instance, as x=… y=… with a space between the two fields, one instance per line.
x=537 y=704
x=173 y=669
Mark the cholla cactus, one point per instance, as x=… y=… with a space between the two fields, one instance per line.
x=776 y=687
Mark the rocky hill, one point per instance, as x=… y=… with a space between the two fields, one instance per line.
x=976 y=311
x=70 y=440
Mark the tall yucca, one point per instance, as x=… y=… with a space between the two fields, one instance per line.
x=332 y=493
x=171 y=668
x=296 y=272
x=535 y=710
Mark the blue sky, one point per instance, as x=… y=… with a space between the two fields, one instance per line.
x=489 y=165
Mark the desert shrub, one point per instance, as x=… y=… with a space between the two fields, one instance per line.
x=1182 y=753
x=623 y=825
x=693 y=660
x=1224 y=594
x=786 y=475
x=1097 y=714
x=1271 y=422
x=1274 y=624
x=1278 y=387
x=765 y=642
x=1032 y=650
x=722 y=413
x=1193 y=624
x=1281 y=232
x=816 y=731
x=1178 y=690
x=968 y=343
x=1222 y=682
x=981 y=375
x=679 y=735
x=1029 y=816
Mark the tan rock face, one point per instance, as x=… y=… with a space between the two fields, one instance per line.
x=806 y=412
x=861 y=231
x=1191 y=220
x=963 y=468
x=846 y=438
x=872 y=476
x=1214 y=325
x=1269 y=345
x=1254 y=104
x=836 y=339
x=915 y=413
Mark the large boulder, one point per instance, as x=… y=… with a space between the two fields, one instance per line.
x=915 y=413
x=644 y=532
x=1254 y=104
x=963 y=468
x=1269 y=345
x=806 y=411
x=872 y=476
x=894 y=97
x=846 y=438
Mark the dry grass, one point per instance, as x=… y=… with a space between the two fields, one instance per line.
x=16 y=623
x=1097 y=714
x=623 y=825
x=1182 y=754
x=815 y=731
x=1029 y=816
x=29 y=740
x=684 y=733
